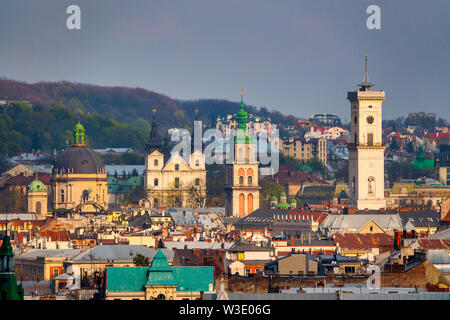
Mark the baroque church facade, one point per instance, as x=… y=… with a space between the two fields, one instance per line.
x=174 y=182
x=79 y=181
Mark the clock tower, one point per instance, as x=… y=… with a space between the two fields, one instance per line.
x=366 y=149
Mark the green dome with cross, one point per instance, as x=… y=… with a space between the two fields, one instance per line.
x=36 y=185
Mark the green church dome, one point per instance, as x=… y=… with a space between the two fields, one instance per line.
x=283 y=206
x=36 y=185
x=273 y=198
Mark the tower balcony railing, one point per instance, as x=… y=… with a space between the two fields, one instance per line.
x=354 y=145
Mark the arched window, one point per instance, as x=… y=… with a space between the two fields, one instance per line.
x=62 y=196
x=241 y=180
x=177 y=167
x=161 y=297
x=241 y=205
x=355 y=119
x=155 y=182
x=250 y=180
x=356 y=138
x=197 y=181
x=155 y=162
x=177 y=182
x=249 y=203
x=197 y=163
x=38 y=208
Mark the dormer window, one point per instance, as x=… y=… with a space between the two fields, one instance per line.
x=177 y=167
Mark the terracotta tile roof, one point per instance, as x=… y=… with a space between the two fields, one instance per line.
x=56 y=235
x=21 y=180
x=434 y=243
x=285 y=176
x=362 y=241
x=316 y=216
x=447 y=217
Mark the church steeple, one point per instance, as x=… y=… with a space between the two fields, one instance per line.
x=154 y=141
x=242 y=114
x=365 y=84
x=9 y=290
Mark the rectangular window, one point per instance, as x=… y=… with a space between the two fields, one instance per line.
x=370 y=139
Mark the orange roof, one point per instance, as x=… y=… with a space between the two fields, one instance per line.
x=434 y=243
x=362 y=241
x=317 y=216
x=447 y=217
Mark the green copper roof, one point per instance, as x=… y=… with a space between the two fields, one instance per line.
x=130 y=279
x=283 y=205
x=242 y=115
x=294 y=200
x=194 y=278
x=36 y=185
x=134 y=279
x=6 y=248
x=273 y=198
x=160 y=262
x=160 y=273
x=283 y=194
x=8 y=282
x=421 y=163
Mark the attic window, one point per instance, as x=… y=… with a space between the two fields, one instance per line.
x=177 y=167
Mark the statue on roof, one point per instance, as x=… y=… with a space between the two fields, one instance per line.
x=79 y=134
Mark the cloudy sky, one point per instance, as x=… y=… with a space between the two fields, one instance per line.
x=296 y=56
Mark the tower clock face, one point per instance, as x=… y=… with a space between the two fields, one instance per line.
x=370 y=119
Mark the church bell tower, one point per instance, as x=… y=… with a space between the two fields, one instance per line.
x=366 y=149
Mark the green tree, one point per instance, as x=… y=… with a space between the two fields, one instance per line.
x=268 y=189
x=316 y=165
x=35 y=142
x=136 y=194
x=393 y=145
x=409 y=147
x=141 y=261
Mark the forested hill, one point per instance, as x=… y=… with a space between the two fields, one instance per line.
x=112 y=116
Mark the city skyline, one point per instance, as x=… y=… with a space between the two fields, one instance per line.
x=285 y=56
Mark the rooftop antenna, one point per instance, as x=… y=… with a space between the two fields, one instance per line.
x=365 y=84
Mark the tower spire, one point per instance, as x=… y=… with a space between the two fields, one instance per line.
x=154 y=141
x=242 y=114
x=365 y=84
